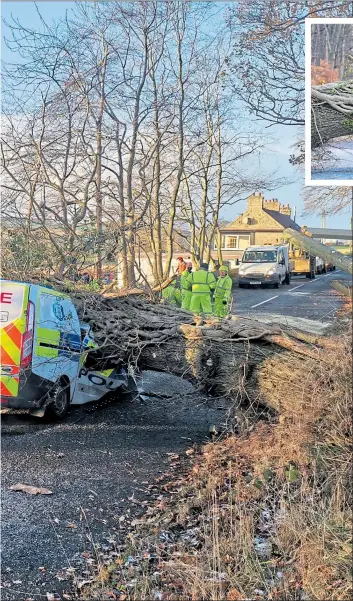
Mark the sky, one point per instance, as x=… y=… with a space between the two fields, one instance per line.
x=273 y=158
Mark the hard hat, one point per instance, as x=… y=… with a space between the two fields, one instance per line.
x=180 y=259
x=223 y=268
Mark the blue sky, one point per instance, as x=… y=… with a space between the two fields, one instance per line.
x=275 y=159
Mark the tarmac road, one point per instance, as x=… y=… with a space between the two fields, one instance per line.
x=97 y=463
x=309 y=299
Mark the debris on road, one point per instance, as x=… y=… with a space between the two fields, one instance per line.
x=31 y=490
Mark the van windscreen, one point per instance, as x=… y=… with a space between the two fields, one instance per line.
x=260 y=256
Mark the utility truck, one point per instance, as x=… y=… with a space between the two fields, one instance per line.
x=267 y=265
x=45 y=353
x=303 y=263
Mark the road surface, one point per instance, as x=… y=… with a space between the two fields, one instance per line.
x=310 y=299
x=98 y=463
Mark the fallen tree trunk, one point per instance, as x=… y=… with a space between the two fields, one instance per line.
x=331 y=112
x=314 y=247
x=345 y=290
x=222 y=355
x=216 y=355
x=327 y=124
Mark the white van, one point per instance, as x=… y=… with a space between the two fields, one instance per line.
x=265 y=266
x=43 y=353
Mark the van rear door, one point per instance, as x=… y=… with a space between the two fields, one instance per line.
x=57 y=337
x=13 y=308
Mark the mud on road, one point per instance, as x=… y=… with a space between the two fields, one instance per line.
x=97 y=464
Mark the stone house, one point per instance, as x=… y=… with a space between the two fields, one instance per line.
x=262 y=222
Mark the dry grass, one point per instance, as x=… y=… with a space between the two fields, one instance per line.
x=288 y=483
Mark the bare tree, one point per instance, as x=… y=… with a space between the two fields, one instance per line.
x=330 y=199
x=133 y=141
x=269 y=53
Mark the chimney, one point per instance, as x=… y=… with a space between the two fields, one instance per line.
x=294 y=213
x=272 y=205
x=285 y=210
x=255 y=203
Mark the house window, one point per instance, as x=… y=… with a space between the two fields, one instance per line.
x=231 y=241
x=237 y=242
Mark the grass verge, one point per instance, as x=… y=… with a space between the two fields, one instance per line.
x=265 y=514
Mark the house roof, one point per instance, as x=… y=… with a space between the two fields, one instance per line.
x=283 y=220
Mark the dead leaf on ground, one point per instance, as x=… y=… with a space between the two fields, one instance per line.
x=81 y=583
x=71 y=525
x=31 y=490
x=234 y=595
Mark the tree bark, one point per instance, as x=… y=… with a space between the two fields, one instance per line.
x=327 y=123
x=332 y=112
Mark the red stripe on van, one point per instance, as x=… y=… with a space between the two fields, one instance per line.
x=4 y=391
x=5 y=359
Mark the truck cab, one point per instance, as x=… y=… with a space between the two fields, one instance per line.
x=267 y=265
x=44 y=352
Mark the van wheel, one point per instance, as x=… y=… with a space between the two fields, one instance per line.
x=59 y=401
x=276 y=285
x=287 y=278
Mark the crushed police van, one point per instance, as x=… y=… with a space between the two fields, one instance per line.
x=43 y=353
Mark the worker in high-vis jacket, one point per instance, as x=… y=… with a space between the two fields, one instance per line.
x=201 y=283
x=223 y=293
x=185 y=288
x=171 y=294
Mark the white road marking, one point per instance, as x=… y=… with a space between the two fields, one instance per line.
x=263 y=302
x=300 y=285
x=301 y=293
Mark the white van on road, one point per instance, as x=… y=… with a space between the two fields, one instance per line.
x=267 y=265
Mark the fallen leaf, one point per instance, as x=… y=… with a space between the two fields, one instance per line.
x=31 y=490
x=80 y=584
x=189 y=452
x=234 y=595
x=71 y=525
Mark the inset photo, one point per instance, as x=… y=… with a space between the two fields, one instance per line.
x=329 y=102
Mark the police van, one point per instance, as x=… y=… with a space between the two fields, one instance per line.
x=43 y=353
